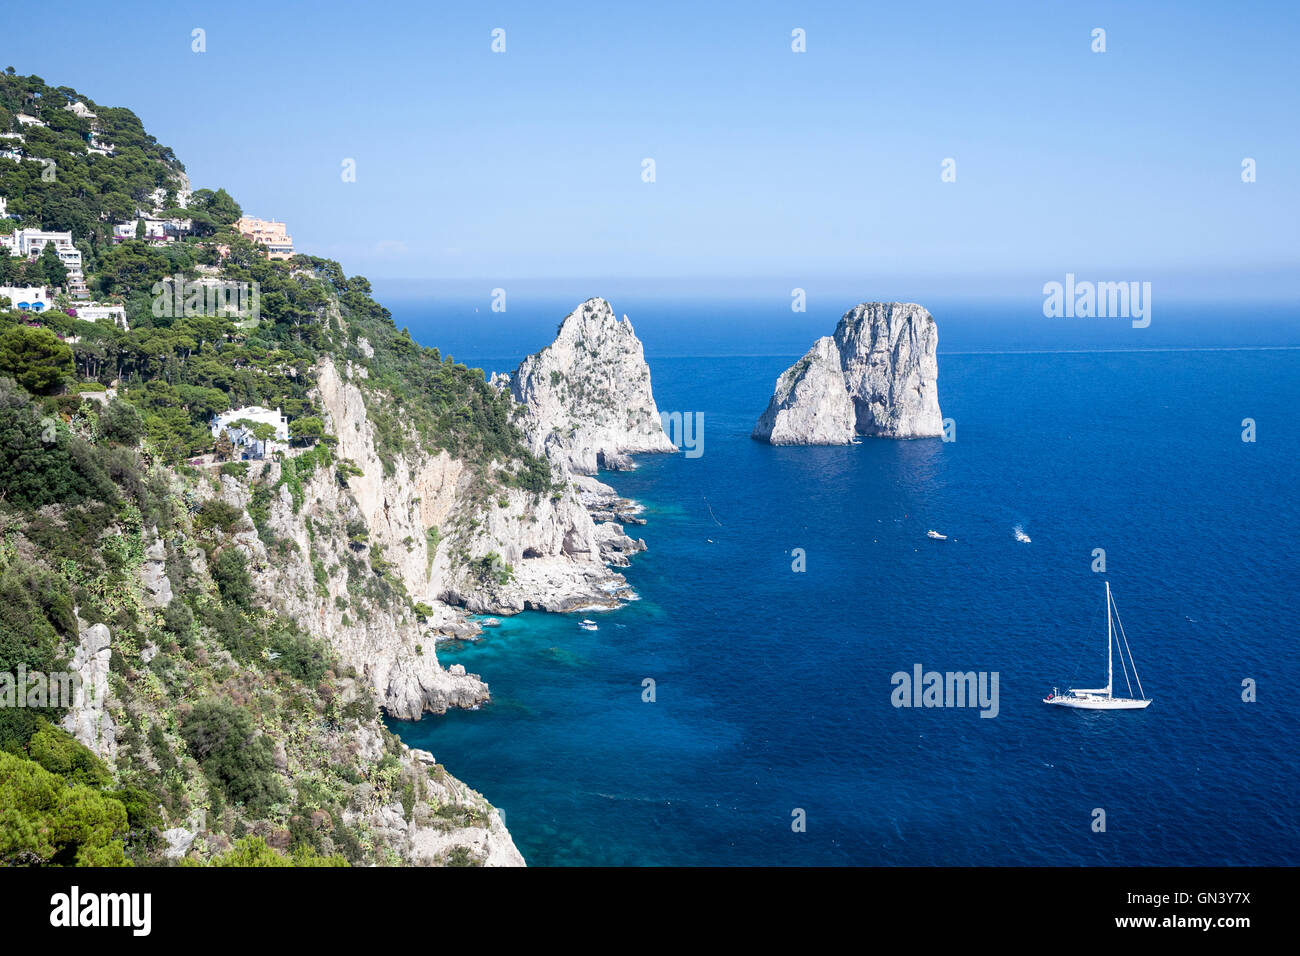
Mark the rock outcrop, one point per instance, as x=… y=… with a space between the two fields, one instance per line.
x=447 y=818
x=810 y=405
x=383 y=559
x=587 y=394
x=876 y=376
x=158 y=588
x=88 y=719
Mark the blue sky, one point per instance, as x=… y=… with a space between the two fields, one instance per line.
x=470 y=164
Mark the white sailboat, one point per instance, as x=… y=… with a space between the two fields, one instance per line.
x=1103 y=698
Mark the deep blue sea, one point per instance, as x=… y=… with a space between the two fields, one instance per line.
x=773 y=687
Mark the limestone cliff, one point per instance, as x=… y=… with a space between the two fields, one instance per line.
x=394 y=804
x=810 y=405
x=882 y=361
x=587 y=394
x=378 y=551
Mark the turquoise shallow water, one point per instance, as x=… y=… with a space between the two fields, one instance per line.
x=773 y=687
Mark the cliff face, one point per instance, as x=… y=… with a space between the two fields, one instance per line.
x=888 y=352
x=882 y=361
x=397 y=805
x=380 y=558
x=587 y=394
x=350 y=562
x=446 y=537
x=450 y=539
x=810 y=405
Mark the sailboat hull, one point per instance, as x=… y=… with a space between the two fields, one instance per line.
x=1098 y=703
x=1102 y=698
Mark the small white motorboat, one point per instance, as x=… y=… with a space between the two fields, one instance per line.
x=937 y=536
x=489 y=622
x=588 y=625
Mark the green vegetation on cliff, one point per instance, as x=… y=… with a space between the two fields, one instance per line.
x=231 y=721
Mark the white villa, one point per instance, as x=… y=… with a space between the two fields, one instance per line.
x=26 y=120
x=242 y=438
x=81 y=109
x=94 y=311
x=155 y=230
x=38 y=299
x=29 y=243
x=27 y=298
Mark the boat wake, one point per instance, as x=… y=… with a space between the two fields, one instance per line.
x=1019 y=532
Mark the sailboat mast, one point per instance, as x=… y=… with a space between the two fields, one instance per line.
x=1110 y=671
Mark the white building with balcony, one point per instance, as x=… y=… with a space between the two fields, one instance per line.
x=27 y=298
x=241 y=436
x=94 y=311
x=155 y=230
x=30 y=243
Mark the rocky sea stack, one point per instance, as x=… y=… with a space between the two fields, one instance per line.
x=587 y=394
x=876 y=376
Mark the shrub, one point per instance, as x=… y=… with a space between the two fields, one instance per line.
x=254 y=851
x=42 y=464
x=37 y=611
x=220 y=736
x=300 y=655
x=215 y=513
x=230 y=571
x=178 y=619
x=59 y=752
x=122 y=423
x=44 y=820
x=36 y=358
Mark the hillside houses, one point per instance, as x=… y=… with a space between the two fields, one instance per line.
x=37 y=299
x=29 y=243
x=268 y=233
x=27 y=298
x=237 y=425
x=155 y=230
x=95 y=311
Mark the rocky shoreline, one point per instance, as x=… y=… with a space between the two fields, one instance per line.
x=584 y=403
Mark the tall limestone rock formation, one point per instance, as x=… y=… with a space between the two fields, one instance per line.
x=877 y=376
x=810 y=405
x=587 y=394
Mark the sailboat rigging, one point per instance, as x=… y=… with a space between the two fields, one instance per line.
x=1103 y=698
